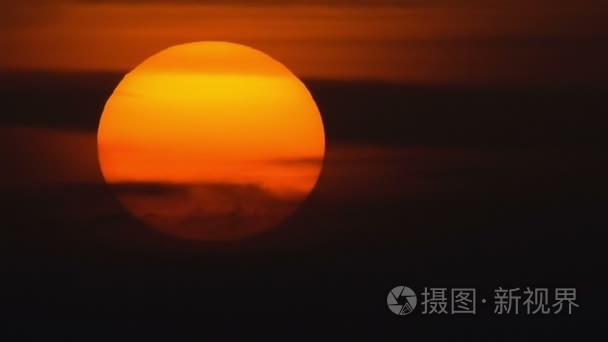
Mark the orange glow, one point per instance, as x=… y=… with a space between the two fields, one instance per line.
x=471 y=41
x=208 y=116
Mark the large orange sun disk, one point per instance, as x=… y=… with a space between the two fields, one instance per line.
x=211 y=141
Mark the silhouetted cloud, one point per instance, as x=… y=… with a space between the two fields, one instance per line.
x=206 y=211
x=296 y=162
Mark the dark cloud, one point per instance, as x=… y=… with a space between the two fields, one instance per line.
x=354 y=112
x=205 y=211
x=296 y=162
x=148 y=189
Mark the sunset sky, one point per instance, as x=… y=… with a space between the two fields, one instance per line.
x=157 y=179
x=437 y=41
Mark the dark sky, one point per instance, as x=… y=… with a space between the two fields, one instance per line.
x=445 y=187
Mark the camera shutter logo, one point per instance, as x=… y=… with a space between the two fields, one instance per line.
x=401 y=300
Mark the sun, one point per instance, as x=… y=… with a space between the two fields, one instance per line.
x=211 y=141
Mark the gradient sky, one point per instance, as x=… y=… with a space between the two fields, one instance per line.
x=437 y=41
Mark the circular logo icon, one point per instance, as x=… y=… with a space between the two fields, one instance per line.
x=401 y=300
